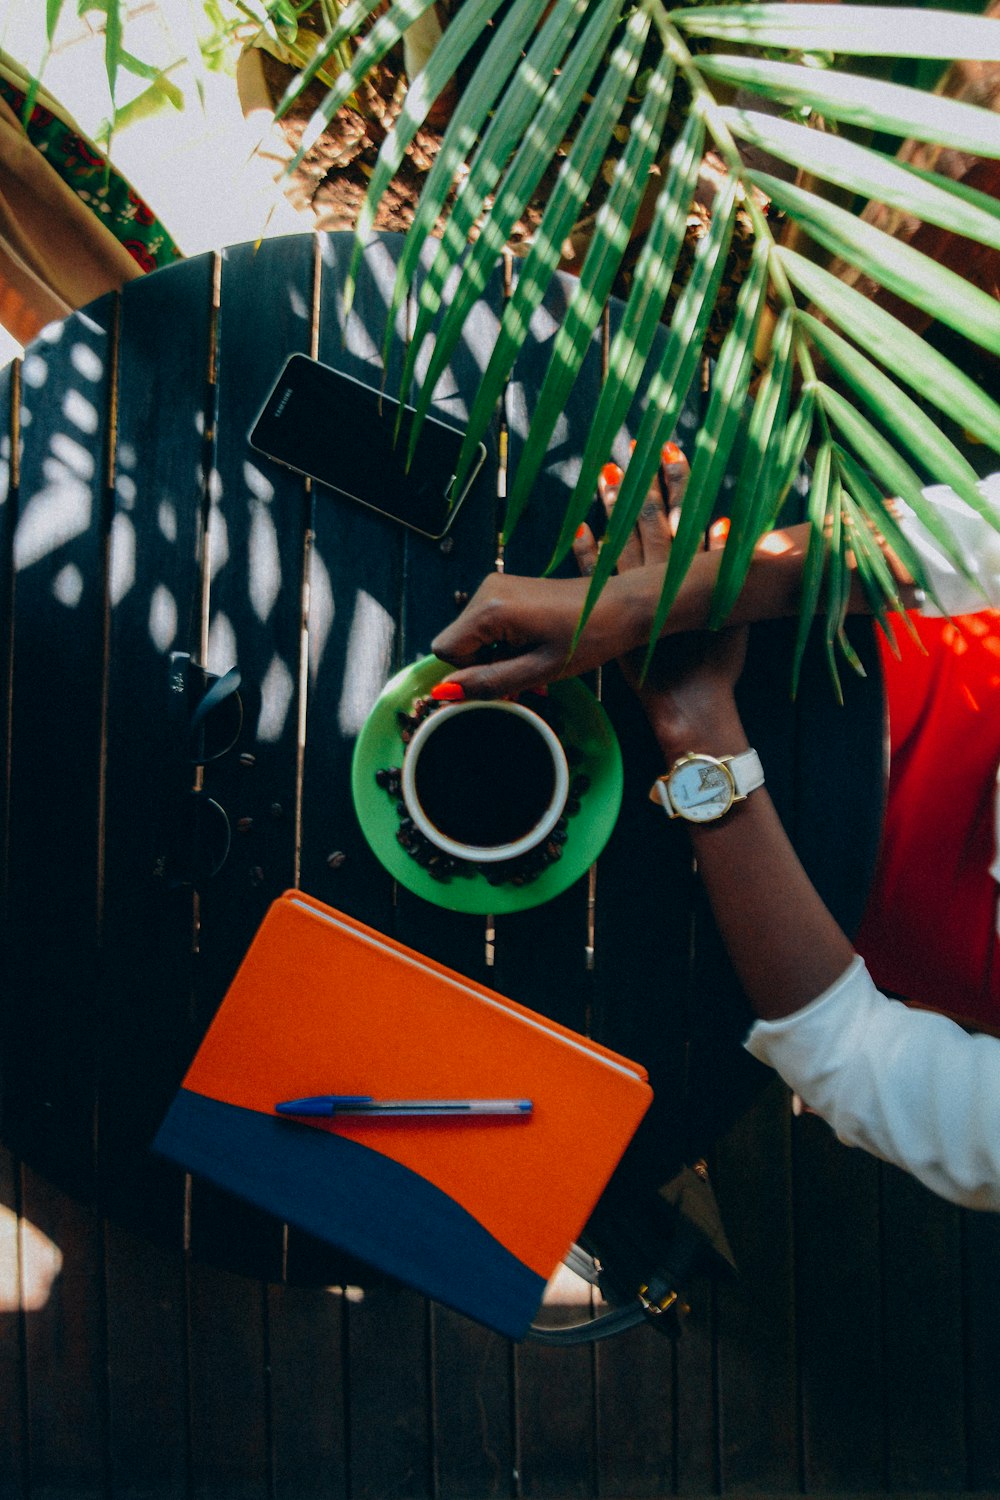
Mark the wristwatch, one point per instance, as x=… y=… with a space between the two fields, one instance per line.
x=702 y=788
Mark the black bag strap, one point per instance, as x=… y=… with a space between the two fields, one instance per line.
x=690 y=1232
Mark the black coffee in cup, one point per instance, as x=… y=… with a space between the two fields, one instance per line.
x=484 y=778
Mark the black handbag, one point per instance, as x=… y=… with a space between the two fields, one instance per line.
x=641 y=1249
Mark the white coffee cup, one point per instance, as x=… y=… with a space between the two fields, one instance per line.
x=461 y=778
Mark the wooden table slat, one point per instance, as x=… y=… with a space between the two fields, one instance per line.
x=855 y=1355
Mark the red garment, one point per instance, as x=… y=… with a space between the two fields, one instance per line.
x=929 y=931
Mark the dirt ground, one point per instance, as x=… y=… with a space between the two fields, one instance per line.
x=333 y=178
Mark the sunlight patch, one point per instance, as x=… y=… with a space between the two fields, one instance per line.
x=166 y=519
x=122 y=571
x=86 y=362
x=67 y=586
x=51 y=518
x=34 y=371
x=276 y=692
x=369 y=655
x=66 y=450
x=221 y=644
x=321 y=611
x=81 y=412
x=162 y=618
x=264 y=562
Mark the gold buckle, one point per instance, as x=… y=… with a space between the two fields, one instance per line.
x=656 y=1308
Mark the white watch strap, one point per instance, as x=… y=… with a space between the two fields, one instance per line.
x=746 y=771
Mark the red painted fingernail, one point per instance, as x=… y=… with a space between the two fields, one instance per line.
x=448 y=692
x=670 y=453
x=612 y=475
x=581 y=532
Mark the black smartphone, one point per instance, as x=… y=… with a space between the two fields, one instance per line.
x=341 y=432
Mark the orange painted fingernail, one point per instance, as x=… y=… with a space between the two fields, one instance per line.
x=581 y=532
x=670 y=453
x=719 y=530
x=611 y=474
x=448 y=692
x=631 y=446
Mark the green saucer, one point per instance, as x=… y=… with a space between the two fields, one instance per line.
x=586 y=729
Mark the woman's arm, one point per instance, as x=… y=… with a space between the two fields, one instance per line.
x=908 y=1086
x=533 y=621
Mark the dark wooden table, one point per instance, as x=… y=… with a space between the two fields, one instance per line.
x=191 y=1345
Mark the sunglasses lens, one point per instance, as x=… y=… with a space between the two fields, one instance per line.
x=217 y=719
x=199 y=841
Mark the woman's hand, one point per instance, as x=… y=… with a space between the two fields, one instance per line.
x=687 y=691
x=517 y=633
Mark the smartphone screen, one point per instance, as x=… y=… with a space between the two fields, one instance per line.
x=341 y=432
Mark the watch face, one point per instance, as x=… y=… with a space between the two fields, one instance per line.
x=701 y=789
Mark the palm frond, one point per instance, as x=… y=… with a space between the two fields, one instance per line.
x=754 y=503
x=889 y=108
x=891 y=263
x=897 y=477
x=862 y=30
x=717 y=434
x=472 y=111
x=611 y=235
x=894 y=408
x=569 y=193
x=555 y=82
x=384 y=35
x=536 y=150
x=668 y=387
x=442 y=64
x=633 y=340
x=503 y=134
x=817 y=553
x=871 y=174
x=892 y=344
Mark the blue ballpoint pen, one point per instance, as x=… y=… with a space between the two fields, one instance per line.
x=363 y=1104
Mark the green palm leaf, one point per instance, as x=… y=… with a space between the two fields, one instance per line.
x=924 y=369
x=866 y=102
x=753 y=502
x=816 y=554
x=984 y=202
x=575 y=178
x=717 y=434
x=883 y=519
x=895 y=410
x=874 y=574
x=838 y=587
x=508 y=126
x=667 y=389
x=865 y=30
x=892 y=263
x=894 y=473
x=547 y=130
x=611 y=233
x=869 y=174
x=633 y=341
x=384 y=35
x=503 y=134
x=420 y=96
x=473 y=108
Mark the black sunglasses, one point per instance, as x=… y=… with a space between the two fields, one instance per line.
x=204 y=719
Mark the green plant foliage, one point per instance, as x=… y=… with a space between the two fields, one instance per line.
x=866 y=421
x=840 y=380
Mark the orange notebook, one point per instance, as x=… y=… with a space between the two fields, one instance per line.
x=475 y=1212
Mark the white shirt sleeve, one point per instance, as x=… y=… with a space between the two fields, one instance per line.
x=907 y=1085
x=974 y=537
